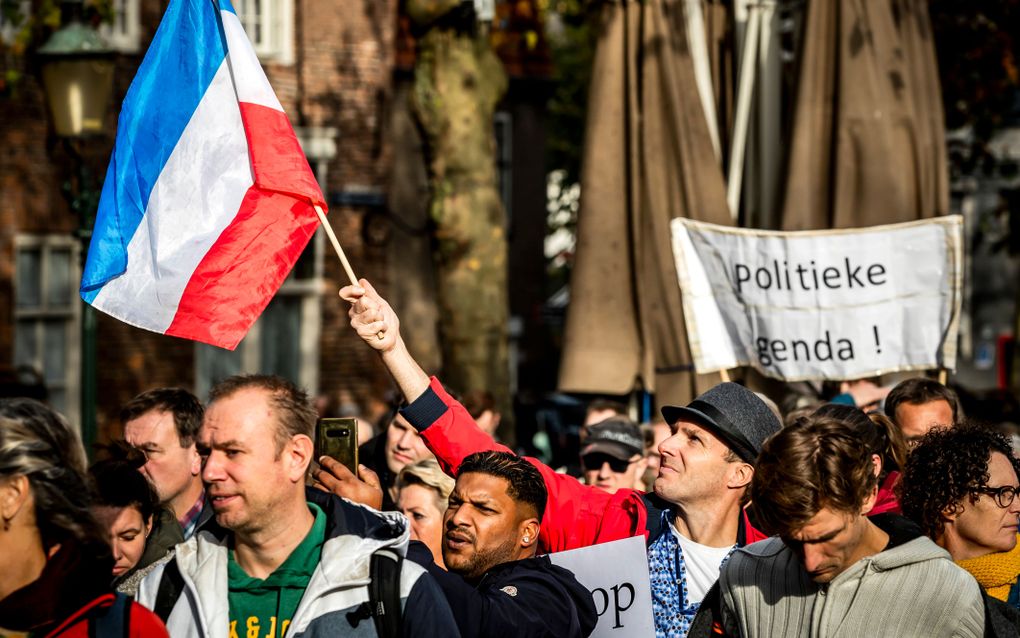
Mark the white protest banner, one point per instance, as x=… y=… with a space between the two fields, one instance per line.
x=617 y=575
x=839 y=304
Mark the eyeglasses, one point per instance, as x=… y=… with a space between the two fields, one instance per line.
x=1003 y=495
x=595 y=461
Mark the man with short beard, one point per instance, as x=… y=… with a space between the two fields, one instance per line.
x=693 y=521
x=490 y=541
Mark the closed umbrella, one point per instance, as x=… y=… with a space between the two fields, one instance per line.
x=648 y=159
x=867 y=137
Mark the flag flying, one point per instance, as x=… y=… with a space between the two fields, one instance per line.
x=208 y=199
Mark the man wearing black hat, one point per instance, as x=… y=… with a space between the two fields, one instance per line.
x=613 y=454
x=692 y=522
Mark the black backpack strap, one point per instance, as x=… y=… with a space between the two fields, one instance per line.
x=115 y=622
x=384 y=592
x=170 y=587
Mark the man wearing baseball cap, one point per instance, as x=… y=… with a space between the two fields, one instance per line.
x=692 y=522
x=613 y=454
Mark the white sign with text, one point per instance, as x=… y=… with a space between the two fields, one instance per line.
x=617 y=575
x=840 y=304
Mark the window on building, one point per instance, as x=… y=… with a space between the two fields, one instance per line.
x=46 y=315
x=124 y=34
x=270 y=27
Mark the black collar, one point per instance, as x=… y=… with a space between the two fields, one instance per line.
x=900 y=530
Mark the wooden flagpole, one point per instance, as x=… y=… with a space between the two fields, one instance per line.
x=725 y=374
x=943 y=375
x=336 y=245
x=340 y=253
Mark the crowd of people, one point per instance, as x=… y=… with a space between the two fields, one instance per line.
x=882 y=512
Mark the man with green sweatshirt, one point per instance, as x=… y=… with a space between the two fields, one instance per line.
x=283 y=559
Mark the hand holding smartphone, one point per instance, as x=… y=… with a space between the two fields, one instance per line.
x=337 y=438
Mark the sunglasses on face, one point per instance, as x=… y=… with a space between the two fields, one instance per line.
x=595 y=460
x=1003 y=495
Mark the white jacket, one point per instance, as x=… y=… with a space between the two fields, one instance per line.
x=337 y=587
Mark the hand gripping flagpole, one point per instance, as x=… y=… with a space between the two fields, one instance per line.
x=340 y=253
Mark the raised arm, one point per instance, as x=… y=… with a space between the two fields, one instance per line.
x=577 y=515
x=376 y=323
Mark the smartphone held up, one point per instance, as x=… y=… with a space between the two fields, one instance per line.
x=337 y=438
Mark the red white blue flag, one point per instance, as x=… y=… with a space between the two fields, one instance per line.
x=208 y=199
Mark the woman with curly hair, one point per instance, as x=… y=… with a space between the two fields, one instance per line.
x=55 y=565
x=960 y=485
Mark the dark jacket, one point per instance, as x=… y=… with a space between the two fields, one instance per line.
x=159 y=546
x=1001 y=620
x=206 y=517
x=373 y=456
x=528 y=598
x=165 y=535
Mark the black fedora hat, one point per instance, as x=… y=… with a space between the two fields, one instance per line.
x=734 y=414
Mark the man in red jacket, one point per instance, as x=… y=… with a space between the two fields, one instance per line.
x=692 y=522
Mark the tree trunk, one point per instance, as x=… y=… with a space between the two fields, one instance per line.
x=458 y=82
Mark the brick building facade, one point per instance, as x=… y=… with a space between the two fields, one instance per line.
x=334 y=66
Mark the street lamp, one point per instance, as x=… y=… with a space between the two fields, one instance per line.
x=77 y=72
